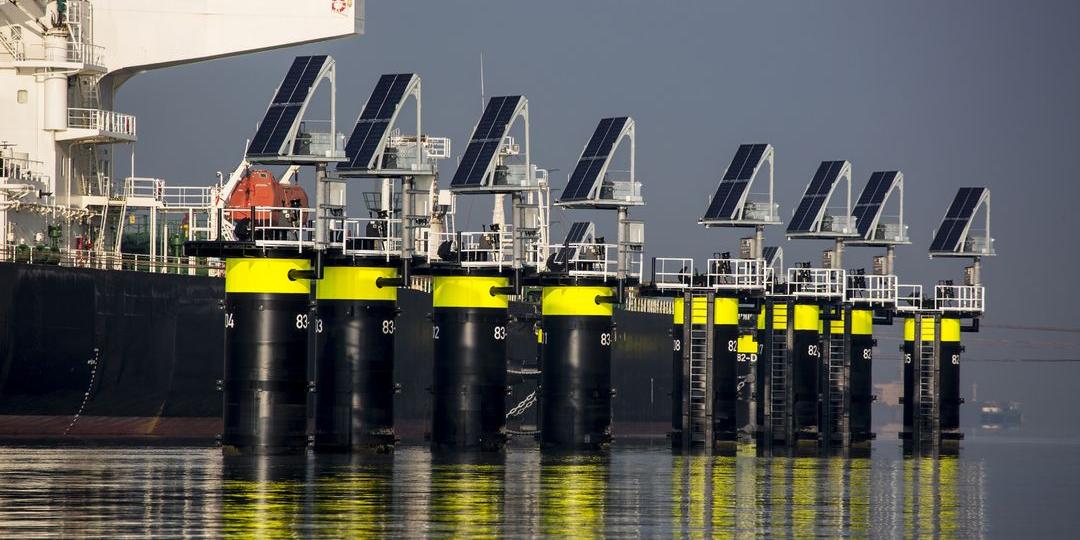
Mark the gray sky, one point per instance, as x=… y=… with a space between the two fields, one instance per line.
x=951 y=93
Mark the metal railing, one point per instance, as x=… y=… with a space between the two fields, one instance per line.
x=816 y=282
x=86 y=53
x=480 y=249
x=641 y=304
x=170 y=196
x=77 y=258
x=274 y=226
x=909 y=298
x=873 y=290
x=102 y=120
x=962 y=298
x=598 y=260
x=380 y=237
x=673 y=272
x=186 y=196
x=739 y=274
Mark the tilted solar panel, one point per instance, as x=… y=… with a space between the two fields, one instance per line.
x=285 y=107
x=769 y=254
x=869 y=205
x=598 y=152
x=374 y=122
x=485 y=141
x=577 y=235
x=815 y=197
x=957 y=218
x=724 y=204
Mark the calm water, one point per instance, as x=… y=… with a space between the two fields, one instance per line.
x=997 y=487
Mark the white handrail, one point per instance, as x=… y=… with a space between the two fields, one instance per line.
x=275 y=226
x=960 y=298
x=816 y=282
x=909 y=298
x=673 y=272
x=598 y=260
x=737 y=274
x=102 y=120
x=874 y=290
x=367 y=236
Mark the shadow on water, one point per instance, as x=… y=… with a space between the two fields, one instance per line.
x=629 y=491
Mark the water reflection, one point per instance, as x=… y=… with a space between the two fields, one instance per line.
x=632 y=491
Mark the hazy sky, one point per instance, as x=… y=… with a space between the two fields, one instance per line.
x=952 y=93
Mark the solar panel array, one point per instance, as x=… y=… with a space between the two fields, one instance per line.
x=576 y=235
x=286 y=105
x=868 y=207
x=817 y=193
x=485 y=141
x=375 y=120
x=956 y=219
x=597 y=153
x=725 y=202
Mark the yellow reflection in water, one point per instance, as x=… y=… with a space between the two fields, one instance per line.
x=353 y=504
x=704 y=495
x=572 y=496
x=931 y=498
x=467 y=499
x=804 y=496
x=260 y=509
x=859 y=495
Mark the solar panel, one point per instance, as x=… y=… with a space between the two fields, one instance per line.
x=485 y=141
x=817 y=193
x=598 y=152
x=769 y=254
x=285 y=107
x=577 y=235
x=957 y=218
x=374 y=122
x=730 y=193
x=868 y=208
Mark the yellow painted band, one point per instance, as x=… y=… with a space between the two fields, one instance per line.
x=950 y=330
x=468 y=292
x=725 y=312
x=807 y=317
x=747 y=345
x=263 y=275
x=862 y=323
x=779 y=317
x=576 y=301
x=355 y=283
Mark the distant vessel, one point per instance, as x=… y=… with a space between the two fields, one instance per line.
x=995 y=415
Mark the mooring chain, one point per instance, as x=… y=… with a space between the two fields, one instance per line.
x=520 y=408
x=93 y=363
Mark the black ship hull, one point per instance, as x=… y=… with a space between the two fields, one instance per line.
x=107 y=355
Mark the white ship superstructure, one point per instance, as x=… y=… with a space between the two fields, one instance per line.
x=61 y=65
